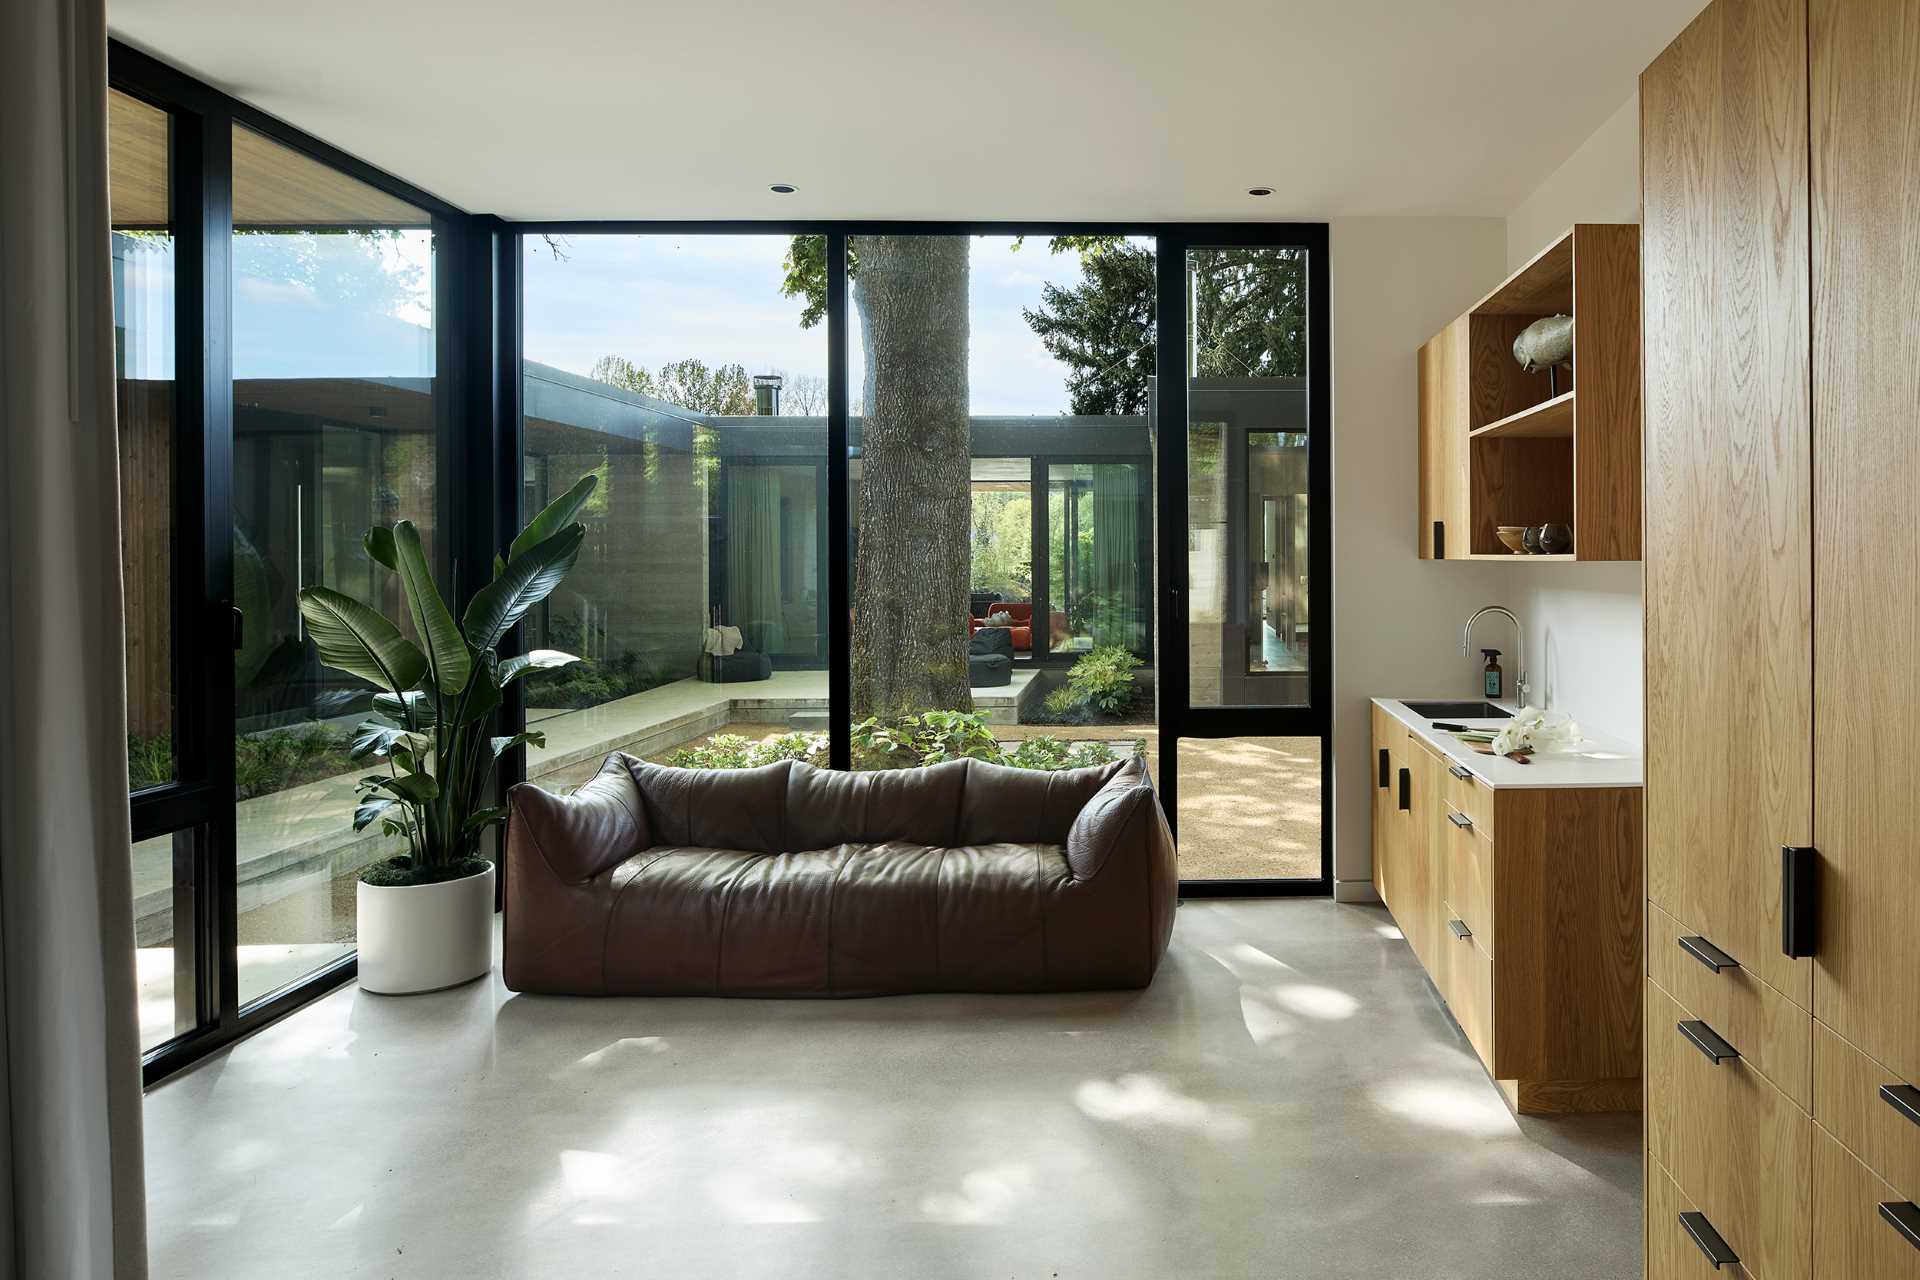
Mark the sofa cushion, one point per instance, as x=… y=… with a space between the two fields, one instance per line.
x=918 y=806
x=1004 y=803
x=715 y=808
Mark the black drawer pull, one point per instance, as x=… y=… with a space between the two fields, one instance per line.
x=1709 y=1240
x=1460 y=930
x=1406 y=789
x=1799 y=904
x=1903 y=1098
x=1708 y=1041
x=1385 y=769
x=1460 y=820
x=1708 y=954
x=1904 y=1216
x=1460 y=771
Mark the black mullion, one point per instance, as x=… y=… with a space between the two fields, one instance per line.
x=495 y=326
x=206 y=324
x=839 y=512
x=1039 y=537
x=1171 y=678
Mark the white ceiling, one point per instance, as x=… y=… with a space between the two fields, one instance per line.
x=980 y=109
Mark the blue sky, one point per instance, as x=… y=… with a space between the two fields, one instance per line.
x=657 y=298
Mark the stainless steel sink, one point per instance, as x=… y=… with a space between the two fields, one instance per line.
x=1458 y=711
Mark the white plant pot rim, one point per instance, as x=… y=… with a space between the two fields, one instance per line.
x=432 y=884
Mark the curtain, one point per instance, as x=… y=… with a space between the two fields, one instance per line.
x=1116 y=556
x=71 y=1194
x=753 y=557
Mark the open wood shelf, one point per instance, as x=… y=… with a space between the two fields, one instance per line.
x=1521 y=557
x=1546 y=420
x=1502 y=445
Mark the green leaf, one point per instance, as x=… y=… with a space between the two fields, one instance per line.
x=375 y=739
x=484 y=817
x=558 y=515
x=417 y=787
x=447 y=656
x=513 y=668
x=379 y=544
x=529 y=579
x=482 y=701
x=365 y=813
x=499 y=566
x=415 y=706
x=531 y=738
x=353 y=638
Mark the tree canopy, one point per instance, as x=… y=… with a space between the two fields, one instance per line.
x=689 y=383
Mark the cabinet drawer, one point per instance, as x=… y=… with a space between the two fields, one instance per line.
x=1853 y=1240
x=1773 y=1034
x=1468 y=795
x=1468 y=868
x=1468 y=987
x=1671 y=1251
x=1847 y=1099
x=1734 y=1145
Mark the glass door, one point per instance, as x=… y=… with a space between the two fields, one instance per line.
x=1244 y=475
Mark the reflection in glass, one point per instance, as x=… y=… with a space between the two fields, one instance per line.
x=333 y=421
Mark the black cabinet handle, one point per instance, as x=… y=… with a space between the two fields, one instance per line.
x=1460 y=820
x=1406 y=789
x=1460 y=930
x=1799 y=903
x=1709 y=1240
x=1439 y=539
x=1903 y=1098
x=1385 y=769
x=1904 y=1217
x=1708 y=954
x=1460 y=771
x=1708 y=1041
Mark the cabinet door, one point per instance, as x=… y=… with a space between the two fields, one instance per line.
x=1728 y=547
x=1381 y=765
x=1444 y=530
x=1865 y=89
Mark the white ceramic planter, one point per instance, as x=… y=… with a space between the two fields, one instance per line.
x=423 y=937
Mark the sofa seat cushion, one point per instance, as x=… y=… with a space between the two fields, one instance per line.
x=853 y=919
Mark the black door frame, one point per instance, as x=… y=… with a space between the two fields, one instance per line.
x=1176 y=718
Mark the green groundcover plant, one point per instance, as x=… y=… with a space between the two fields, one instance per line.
x=909 y=742
x=1100 y=683
x=437 y=697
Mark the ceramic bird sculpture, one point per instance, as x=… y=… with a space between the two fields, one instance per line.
x=1545 y=344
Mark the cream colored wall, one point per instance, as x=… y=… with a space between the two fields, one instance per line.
x=1583 y=621
x=1396 y=281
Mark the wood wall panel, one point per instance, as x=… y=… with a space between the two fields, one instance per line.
x=1606 y=464
x=1728 y=542
x=1443 y=441
x=1866 y=461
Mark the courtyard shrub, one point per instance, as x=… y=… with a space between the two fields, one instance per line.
x=1101 y=682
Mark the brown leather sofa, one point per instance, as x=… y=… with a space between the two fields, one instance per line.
x=794 y=881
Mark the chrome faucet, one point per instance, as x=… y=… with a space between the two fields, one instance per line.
x=1521 y=685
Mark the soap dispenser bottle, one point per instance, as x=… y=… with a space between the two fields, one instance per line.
x=1492 y=677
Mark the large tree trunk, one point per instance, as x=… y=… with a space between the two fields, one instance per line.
x=910 y=573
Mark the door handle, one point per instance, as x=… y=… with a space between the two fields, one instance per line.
x=1385 y=769
x=1903 y=1216
x=1460 y=820
x=1903 y=1098
x=1406 y=789
x=1709 y=1240
x=1708 y=1041
x=1459 y=929
x=1708 y=954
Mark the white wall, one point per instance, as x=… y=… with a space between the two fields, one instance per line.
x=1583 y=621
x=1396 y=282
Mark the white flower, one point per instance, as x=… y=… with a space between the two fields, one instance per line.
x=1533 y=731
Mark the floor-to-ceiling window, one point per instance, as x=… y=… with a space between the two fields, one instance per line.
x=334 y=432
x=1001 y=489
x=682 y=371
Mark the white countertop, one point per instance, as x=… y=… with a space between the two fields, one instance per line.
x=1596 y=762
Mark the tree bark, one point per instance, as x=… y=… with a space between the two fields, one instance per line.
x=910 y=572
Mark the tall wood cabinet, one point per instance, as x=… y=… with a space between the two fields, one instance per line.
x=1780 y=251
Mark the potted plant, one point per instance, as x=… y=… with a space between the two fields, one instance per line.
x=426 y=915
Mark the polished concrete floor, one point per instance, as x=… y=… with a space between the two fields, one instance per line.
x=1289 y=1099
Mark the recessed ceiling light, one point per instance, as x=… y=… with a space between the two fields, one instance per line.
x=782 y=188
x=1259 y=191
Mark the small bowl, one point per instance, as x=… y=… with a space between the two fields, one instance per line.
x=1512 y=536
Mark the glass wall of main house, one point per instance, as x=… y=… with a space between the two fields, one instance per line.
x=1013 y=539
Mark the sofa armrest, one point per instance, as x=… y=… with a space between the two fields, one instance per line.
x=1123 y=812
x=578 y=836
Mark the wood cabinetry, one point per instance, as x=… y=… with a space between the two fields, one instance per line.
x=1532 y=938
x=1500 y=446
x=1779 y=143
